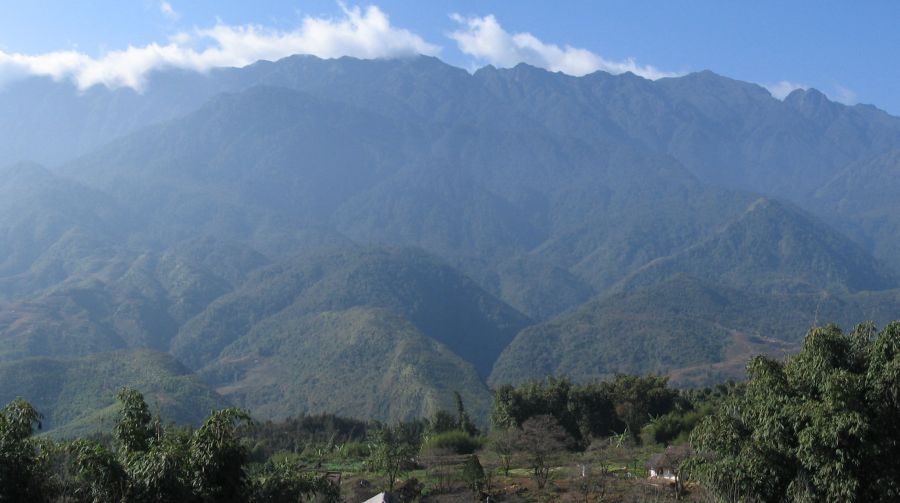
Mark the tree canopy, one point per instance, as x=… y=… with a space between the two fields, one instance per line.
x=823 y=426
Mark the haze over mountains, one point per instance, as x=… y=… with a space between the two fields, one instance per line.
x=367 y=236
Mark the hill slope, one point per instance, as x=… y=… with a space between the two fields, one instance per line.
x=697 y=331
x=774 y=248
x=443 y=304
x=77 y=395
x=361 y=362
x=123 y=301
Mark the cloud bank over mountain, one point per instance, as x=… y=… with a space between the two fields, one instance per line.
x=362 y=33
x=781 y=89
x=486 y=40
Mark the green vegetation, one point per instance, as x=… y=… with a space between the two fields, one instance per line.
x=696 y=331
x=822 y=426
x=497 y=227
x=391 y=452
x=24 y=462
x=147 y=462
x=302 y=364
x=439 y=301
x=586 y=411
x=773 y=247
x=76 y=396
x=455 y=441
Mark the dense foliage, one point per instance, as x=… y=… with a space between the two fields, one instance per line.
x=24 y=462
x=823 y=426
x=145 y=462
x=586 y=411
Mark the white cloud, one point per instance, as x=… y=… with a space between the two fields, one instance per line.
x=167 y=10
x=360 y=33
x=784 y=88
x=844 y=95
x=484 y=39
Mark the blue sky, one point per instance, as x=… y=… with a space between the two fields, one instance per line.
x=846 y=49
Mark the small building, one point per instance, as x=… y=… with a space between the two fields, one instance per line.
x=660 y=467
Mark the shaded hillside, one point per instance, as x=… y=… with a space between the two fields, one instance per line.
x=536 y=130
x=695 y=330
x=52 y=227
x=124 y=301
x=863 y=202
x=443 y=304
x=362 y=362
x=774 y=248
x=37 y=108
x=262 y=165
x=77 y=395
x=725 y=131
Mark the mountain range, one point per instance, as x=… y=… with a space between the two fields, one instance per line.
x=368 y=236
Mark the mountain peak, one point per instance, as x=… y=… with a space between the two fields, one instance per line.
x=761 y=203
x=813 y=104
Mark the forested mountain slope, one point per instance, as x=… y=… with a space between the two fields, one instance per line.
x=698 y=331
x=77 y=395
x=443 y=304
x=772 y=247
x=245 y=218
x=360 y=362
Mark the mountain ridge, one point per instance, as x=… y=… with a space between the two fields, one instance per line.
x=246 y=213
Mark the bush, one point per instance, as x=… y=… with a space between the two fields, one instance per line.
x=673 y=428
x=457 y=442
x=355 y=450
x=473 y=473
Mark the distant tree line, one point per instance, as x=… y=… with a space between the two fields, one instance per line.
x=594 y=410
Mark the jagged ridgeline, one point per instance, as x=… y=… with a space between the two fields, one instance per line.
x=366 y=237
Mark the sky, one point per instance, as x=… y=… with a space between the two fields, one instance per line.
x=848 y=50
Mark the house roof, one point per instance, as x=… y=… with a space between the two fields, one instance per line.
x=382 y=498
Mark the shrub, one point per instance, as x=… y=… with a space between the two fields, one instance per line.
x=457 y=442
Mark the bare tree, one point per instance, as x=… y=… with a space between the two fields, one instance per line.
x=589 y=480
x=541 y=438
x=503 y=443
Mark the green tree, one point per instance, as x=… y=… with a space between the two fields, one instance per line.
x=824 y=426
x=161 y=472
x=514 y=406
x=24 y=461
x=391 y=452
x=133 y=430
x=217 y=457
x=463 y=421
x=285 y=480
x=638 y=399
x=163 y=464
x=442 y=422
x=586 y=410
x=99 y=477
x=473 y=474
